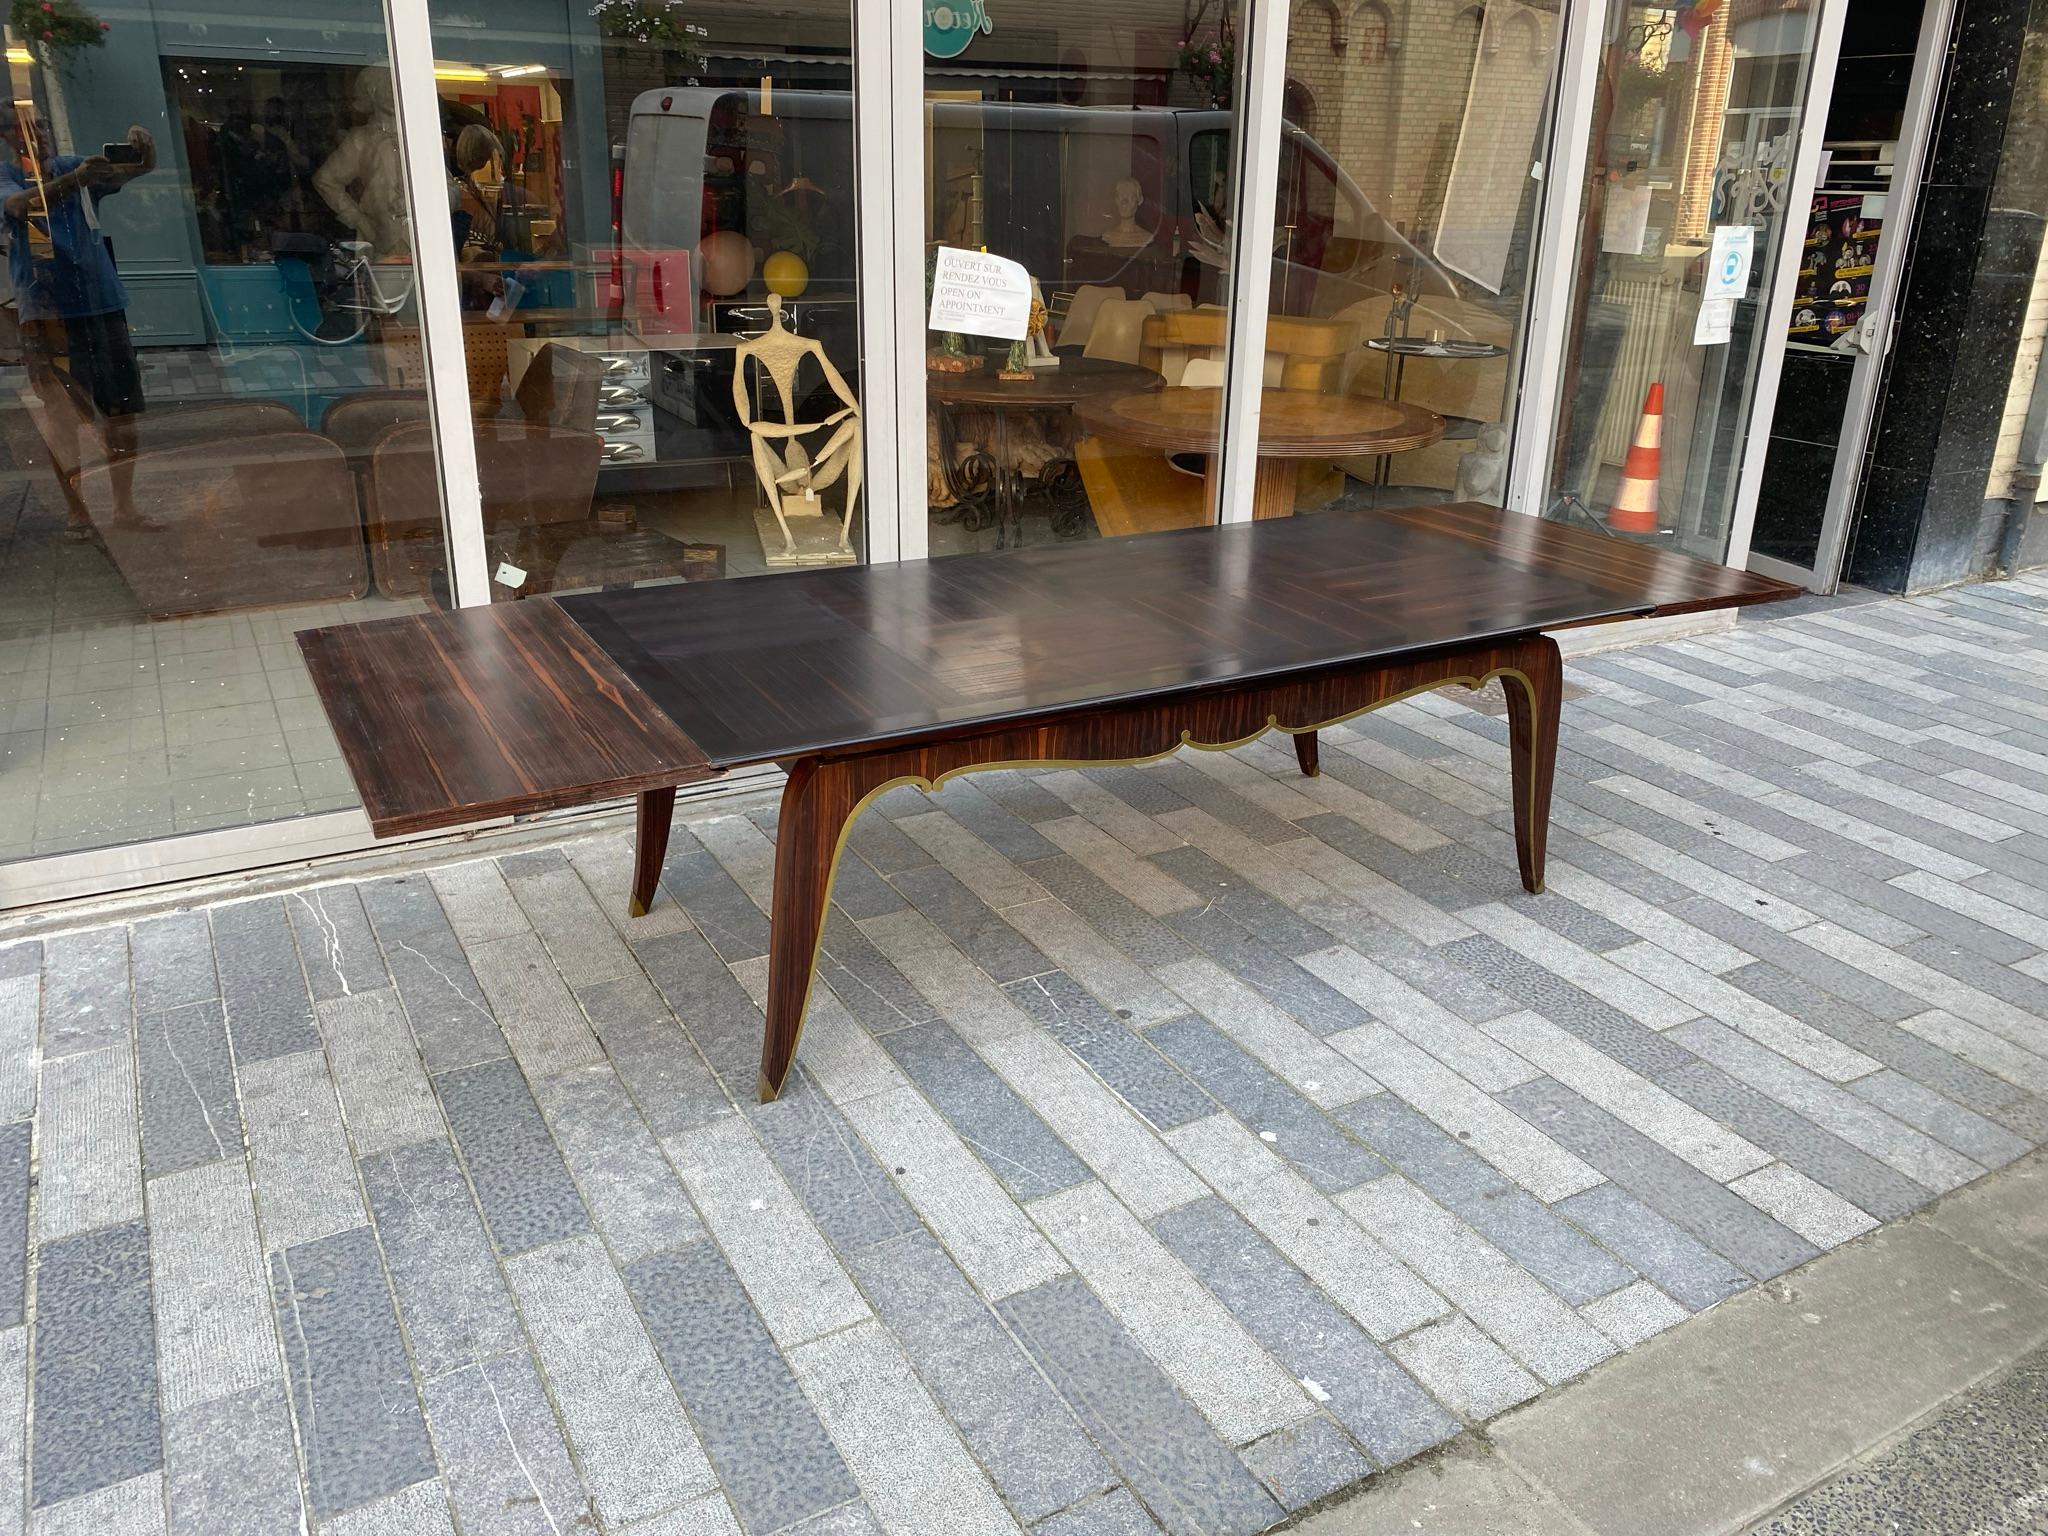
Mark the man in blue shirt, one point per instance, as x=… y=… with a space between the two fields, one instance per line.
x=72 y=303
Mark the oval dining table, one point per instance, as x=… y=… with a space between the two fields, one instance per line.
x=1294 y=424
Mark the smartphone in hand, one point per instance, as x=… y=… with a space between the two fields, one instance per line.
x=123 y=153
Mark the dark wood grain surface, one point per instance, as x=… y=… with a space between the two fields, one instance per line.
x=1293 y=423
x=1075 y=379
x=773 y=667
x=449 y=718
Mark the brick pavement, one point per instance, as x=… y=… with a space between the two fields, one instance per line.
x=1173 y=1147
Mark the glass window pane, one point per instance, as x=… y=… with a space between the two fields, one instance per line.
x=210 y=288
x=1078 y=395
x=655 y=222
x=1401 y=252
x=1695 y=127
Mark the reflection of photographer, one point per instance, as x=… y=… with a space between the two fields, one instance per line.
x=73 y=304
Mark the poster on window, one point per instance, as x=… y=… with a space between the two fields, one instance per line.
x=1835 y=265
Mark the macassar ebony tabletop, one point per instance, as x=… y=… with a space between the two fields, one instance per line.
x=857 y=678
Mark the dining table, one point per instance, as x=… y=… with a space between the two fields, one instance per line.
x=1294 y=425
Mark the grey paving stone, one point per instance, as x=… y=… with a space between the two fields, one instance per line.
x=1114 y=1514
x=653 y=1057
x=1506 y=1216
x=1679 y=1263
x=1498 y=1295
x=1002 y=829
x=527 y=1196
x=1018 y=1429
x=14 y=1182
x=90 y=1159
x=1289 y=1123
x=1992 y=1096
x=377 y=1072
x=1405 y=869
x=774 y=1459
x=1357 y=1383
x=711 y=1005
x=1233 y=810
x=171 y=960
x=537 y=1013
x=1115 y=1052
x=359 y=1421
x=214 y=1332
x=20 y=1054
x=478 y=903
x=626 y=1429
x=1875 y=997
x=1136 y=932
x=1162 y=1446
x=790 y=1272
x=1021 y=795
x=1927 y=916
x=508 y=1472
x=537 y=861
x=421 y=1510
x=86 y=994
x=305 y=1181
x=985 y=1111
x=230 y=1467
x=1729 y=1224
x=1320 y=1007
x=25 y=958
x=723 y=913
x=633 y=1194
x=131 y=1508
x=979 y=933
x=1306 y=1462
x=1796 y=1141
x=262 y=984
x=1972 y=969
x=95 y=1386
x=450 y=1016
x=1601 y=1026
x=1140 y=790
x=336 y=941
x=1469 y=1373
x=449 y=1290
x=580 y=939
x=1950 y=1124
x=859 y=892
x=860 y=975
x=846 y=1191
x=1230 y=895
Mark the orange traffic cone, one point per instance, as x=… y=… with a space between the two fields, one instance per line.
x=1635 y=503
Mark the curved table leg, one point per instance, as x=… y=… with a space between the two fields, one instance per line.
x=654 y=810
x=1535 y=694
x=1308 y=753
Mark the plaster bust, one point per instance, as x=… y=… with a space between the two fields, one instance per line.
x=1126 y=233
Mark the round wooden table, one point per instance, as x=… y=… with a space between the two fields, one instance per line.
x=1294 y=424
x=1075 y=380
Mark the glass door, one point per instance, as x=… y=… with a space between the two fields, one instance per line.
x=1079 y=201
x=1843 y=322
x=1409 y=184
x=1690 y=186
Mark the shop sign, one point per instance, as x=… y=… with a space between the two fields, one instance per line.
x=950 y=25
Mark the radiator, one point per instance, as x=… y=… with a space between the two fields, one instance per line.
x=1648 y=303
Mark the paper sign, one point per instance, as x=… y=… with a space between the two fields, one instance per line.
x=977 y=294
x=1715 y=324
x=509 y=575
x=1626 y=219
x=1728 y=262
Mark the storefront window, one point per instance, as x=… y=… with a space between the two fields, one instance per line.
x=208 y=270
x=654 y=220
x=1683 y=223
x=1078 y=208
x=1401 y=251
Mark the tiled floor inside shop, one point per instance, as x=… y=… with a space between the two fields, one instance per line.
x=1170 y=1146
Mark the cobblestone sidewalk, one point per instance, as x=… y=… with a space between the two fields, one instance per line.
x=1175 y=1144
